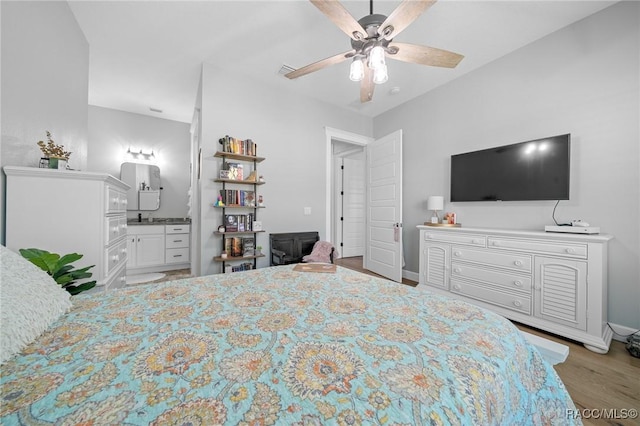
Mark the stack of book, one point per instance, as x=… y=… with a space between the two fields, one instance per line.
x=237 y=197
x=240 y=246
x=237 y=146
x=238 y=222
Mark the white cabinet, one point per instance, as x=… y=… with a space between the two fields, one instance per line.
x=64 y=212
x=158 y=247
x=146 y=246
x=177 y=243
x=554 y=282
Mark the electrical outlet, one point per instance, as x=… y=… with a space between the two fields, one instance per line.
x=307 y=211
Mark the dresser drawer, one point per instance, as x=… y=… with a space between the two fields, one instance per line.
x=177 y=241
x=499 y=278
x=455 y=237
x=115 y=227
x=543 y=247
x=116 y=256
x=514 y=302
x=118 y=280
x=177 y=255
x=514 y=261
x=116 y=201
x=177 y=229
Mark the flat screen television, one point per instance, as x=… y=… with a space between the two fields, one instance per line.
x=525 y=171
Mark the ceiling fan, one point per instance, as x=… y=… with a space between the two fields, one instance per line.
x=372 y=40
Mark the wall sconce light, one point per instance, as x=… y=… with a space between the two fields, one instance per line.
x=435 y=203
x=141 y=155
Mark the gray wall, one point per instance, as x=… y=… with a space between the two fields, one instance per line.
x=112 y=132
x=45 y=80
x=581 y=80
x=290 y=132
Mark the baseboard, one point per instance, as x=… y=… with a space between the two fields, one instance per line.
x=620 y=332
x=413 y=276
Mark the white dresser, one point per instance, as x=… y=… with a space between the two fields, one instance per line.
x=551 y=281
x=70 y=212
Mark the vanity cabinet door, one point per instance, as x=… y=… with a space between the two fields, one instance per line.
x=150 y=250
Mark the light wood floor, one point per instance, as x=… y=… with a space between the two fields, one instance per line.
x=594 y=381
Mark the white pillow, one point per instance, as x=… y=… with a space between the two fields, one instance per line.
x=30 y=300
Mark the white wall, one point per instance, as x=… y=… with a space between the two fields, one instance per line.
x=581 y=80
x=112 y=132
x=290 y=132
x=45 y=80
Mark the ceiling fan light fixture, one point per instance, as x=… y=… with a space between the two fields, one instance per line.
x=356 y=72
x=376 y=58
x=380 y=75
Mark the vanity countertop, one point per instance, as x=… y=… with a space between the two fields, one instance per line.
x=159 y=221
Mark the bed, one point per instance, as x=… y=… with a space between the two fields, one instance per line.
x=276 y=346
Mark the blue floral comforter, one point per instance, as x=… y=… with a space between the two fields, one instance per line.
x=275 y=346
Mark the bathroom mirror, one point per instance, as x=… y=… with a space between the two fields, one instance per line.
x=144 y=180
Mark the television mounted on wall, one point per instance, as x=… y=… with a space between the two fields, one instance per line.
x=527 y=171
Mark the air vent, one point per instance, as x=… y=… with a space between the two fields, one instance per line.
x=285 y=69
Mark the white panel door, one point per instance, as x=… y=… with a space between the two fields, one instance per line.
x=383 y=253
x=353 y=211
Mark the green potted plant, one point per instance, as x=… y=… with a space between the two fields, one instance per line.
x=60 y=269
x=258 y=251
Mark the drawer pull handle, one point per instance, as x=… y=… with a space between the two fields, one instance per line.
x=570 y=250
x=457 y=270
x=517 y=283
x=456 y=287
x=177 y=241
x=518 y=263
x=457 y=254
x=517 y=303
x=177 y=255
x=430 y=236
x=115 y=258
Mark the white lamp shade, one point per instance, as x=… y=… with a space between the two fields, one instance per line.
x=435 y=202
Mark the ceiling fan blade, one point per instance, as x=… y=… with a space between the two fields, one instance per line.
x=366 y=85
x=336 y=12
x=425 y=55
x=403 y=16
x=308 y=69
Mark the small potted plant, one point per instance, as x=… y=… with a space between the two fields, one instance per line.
x=258 y=251
x=60 y=269
x=56 y=154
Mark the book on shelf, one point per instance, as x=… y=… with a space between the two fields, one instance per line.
x=238 y=197
x=231 y=223
x=246 y=266
x=240 y=246
x=237 y=146
x=235 y=244
x=248 y=246
x=238 y=222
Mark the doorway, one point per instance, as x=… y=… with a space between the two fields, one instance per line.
x=349 y=196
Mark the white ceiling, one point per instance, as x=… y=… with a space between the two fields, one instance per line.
x=148 y=54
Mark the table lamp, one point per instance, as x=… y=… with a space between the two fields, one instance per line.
x=435 y=203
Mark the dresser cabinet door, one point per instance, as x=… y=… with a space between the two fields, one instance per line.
x=561 y=291
x=436 y=259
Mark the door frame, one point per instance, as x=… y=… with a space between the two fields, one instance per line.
x=332 y=134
